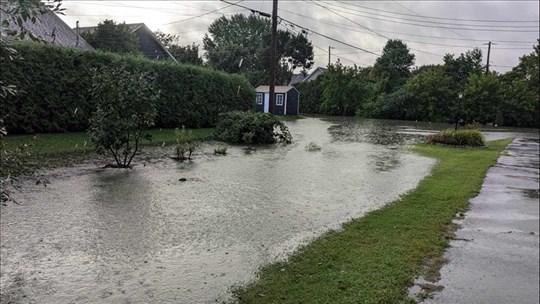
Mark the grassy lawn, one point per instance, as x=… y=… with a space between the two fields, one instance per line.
x=374 y=259
x=54 y=143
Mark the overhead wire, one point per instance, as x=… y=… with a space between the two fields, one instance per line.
x=437 y=17
x=305 y=28
x=491 y=29
x=201 y=15
x=338 y=25
x=425 y=19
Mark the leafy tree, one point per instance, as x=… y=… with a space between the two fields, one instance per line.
x=186 y=54
x=432 y=93
x=461 y=67
x=125 y=110
x=240 y=44
x=396 y=105
x=522 y=92
x=519 y=105
x=481 y=98
x=112 y=37
x=393 y=67
x=345 y=89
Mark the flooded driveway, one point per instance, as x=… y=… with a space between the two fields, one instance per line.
x=142 y=236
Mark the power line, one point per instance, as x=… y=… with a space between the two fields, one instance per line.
x=304 y=28
x=491 y=29
x=430 y=21
x=207 y=13
x=442 y=18
x=330 y=10
x=406 y=34
x=410 y=10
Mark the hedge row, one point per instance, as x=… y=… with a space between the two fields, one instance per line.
x=54 y=82
x=311 y=96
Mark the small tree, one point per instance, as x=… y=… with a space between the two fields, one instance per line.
x=125 y=110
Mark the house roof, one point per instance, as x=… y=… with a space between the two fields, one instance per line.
x=49 y=27
x=135 y=28
x=297 y=78
x=277 y=89
x=318 y=71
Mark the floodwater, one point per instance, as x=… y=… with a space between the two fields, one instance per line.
x=142 y=236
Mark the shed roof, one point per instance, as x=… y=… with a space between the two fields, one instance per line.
x=277 y=89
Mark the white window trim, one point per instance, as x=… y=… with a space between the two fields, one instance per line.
x=259 y=99
x=279 y=101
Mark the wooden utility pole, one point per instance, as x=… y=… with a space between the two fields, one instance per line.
x=273 y=62
x=489 y=51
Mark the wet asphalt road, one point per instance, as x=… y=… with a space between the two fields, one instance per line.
x=494 y=257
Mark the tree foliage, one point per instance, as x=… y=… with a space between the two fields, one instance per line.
x=188 y=54
x=481 y=98
x=459 y=68
x=393 y=67
x=16 y=161
x=432 y=94
x=240 y=44
x=125 y=110
x=521 y=91
x=345 y=90
x=112 y=37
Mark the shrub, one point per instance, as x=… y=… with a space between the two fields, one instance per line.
x=473 y=138
x=220 y=150
x=184 y=143
x=125 y=110
x=251 y=128
x=54 y=85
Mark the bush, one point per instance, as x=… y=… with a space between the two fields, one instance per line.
x=251 y=128
x=220 y=150
x=54 y=89
x=125 y=110
x=184 y=143
x=473 y=138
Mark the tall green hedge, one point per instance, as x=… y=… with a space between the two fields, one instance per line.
x=54 y=82
x=311 y=96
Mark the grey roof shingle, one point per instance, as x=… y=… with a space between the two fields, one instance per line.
x=50 y=28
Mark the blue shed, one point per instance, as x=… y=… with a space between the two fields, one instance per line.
x=287 y=100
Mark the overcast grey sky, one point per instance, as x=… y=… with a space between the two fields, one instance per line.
x=430 y=28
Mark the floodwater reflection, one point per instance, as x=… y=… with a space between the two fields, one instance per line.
x=143 y=236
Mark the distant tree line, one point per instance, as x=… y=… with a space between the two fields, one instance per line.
x=391 y=89
x=238 y=45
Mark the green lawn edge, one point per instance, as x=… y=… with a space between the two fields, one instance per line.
x=77 y=142
x=375 y=258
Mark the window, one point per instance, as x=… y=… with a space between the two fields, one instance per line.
x=279 y=99
x=259 y=99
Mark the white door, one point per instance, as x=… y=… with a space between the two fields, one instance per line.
x=266 y=103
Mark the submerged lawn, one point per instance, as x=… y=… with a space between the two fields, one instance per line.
x=53 y=143
x=375 y=258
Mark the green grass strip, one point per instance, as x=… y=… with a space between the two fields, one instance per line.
x=55 y=143
x=375 y=258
